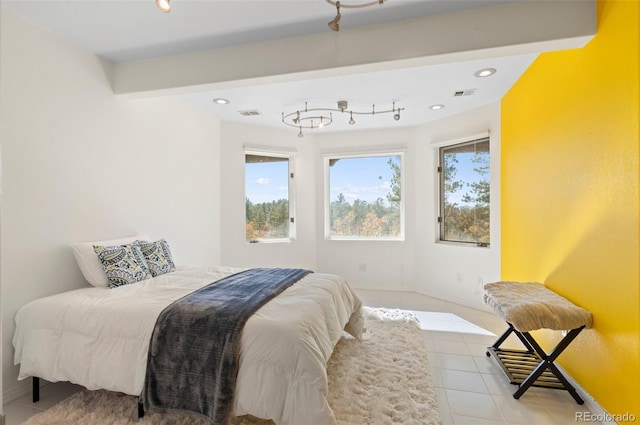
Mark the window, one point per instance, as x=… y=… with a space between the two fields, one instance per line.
x=268 y=206
x=364 y=197
x=464 y=192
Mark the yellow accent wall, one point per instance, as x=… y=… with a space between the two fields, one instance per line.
x=570 y=197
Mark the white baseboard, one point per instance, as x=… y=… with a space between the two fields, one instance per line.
x=477 y=304
x=590 y=405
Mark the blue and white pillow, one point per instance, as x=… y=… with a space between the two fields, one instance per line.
x=123 y=264
x=158 y=257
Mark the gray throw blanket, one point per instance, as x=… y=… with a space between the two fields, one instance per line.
x=194 y=351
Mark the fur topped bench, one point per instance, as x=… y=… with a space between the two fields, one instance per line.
x=530 y=305
x=527 y=306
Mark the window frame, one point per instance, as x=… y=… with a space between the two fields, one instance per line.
x=327 y=193
x=441 y=199
x=291 y=173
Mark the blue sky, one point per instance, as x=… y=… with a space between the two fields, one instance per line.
x=367 y=178
x=465 y=171
x=357 y=178
x=266 y=181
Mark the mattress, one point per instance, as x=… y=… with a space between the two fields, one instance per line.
x=99 y=337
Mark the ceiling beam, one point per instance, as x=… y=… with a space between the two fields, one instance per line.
x=514 y=28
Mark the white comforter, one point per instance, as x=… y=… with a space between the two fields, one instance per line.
x=99 y=337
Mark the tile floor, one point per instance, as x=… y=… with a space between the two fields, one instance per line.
x=471 y=389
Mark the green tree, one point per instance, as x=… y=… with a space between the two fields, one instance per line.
x=339 y=208
x=480 y=190
x=451 y=185
x=360 y=211
x=479 y=197
x=379 y=208
x=395 y=192
x=469 y=221
x=267 y=219
x=372 y=225
x=394 y=197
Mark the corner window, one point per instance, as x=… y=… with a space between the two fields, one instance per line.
x=268 y=203
x=364 y=197
x=464 y=192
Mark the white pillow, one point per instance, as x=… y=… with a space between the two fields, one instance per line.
x=89 y=263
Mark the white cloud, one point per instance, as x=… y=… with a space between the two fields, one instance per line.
x=365 y=193
x=263 y=180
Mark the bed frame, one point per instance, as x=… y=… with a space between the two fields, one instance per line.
x=35 y=389
x=35 y=395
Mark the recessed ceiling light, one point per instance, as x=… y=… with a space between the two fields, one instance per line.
x=221 y=101
x=486 y=72
x=436 y=107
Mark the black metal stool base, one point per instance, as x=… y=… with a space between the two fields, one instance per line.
x=533 y=366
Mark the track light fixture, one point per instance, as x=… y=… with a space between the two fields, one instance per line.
x=335 y=23
x=164 y=5
x=312 y=118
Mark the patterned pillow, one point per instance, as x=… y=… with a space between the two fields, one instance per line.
x=158 y=256
x=123 y=264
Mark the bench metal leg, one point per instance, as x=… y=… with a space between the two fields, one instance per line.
x=506 y=334
x=548 y=363
x=533 y=367
x=503 y=337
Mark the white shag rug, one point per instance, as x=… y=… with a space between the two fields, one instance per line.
x=383 y=380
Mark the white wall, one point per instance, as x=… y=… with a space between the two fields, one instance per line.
x=389 y=265
x=418 y=263
x=81 y=164
x=445 y=270
x=300 y=252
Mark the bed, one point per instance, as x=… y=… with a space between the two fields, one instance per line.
x=98 y=337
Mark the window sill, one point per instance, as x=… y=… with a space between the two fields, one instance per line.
x=269 y=241
x=356 y=239
x=465 y=244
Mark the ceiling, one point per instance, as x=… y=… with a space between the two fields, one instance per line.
x=130 y=30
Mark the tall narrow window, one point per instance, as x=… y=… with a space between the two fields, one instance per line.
x=364 y=199
x=464 y=192
x=267 y=197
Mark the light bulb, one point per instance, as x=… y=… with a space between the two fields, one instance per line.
x=163 y=5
